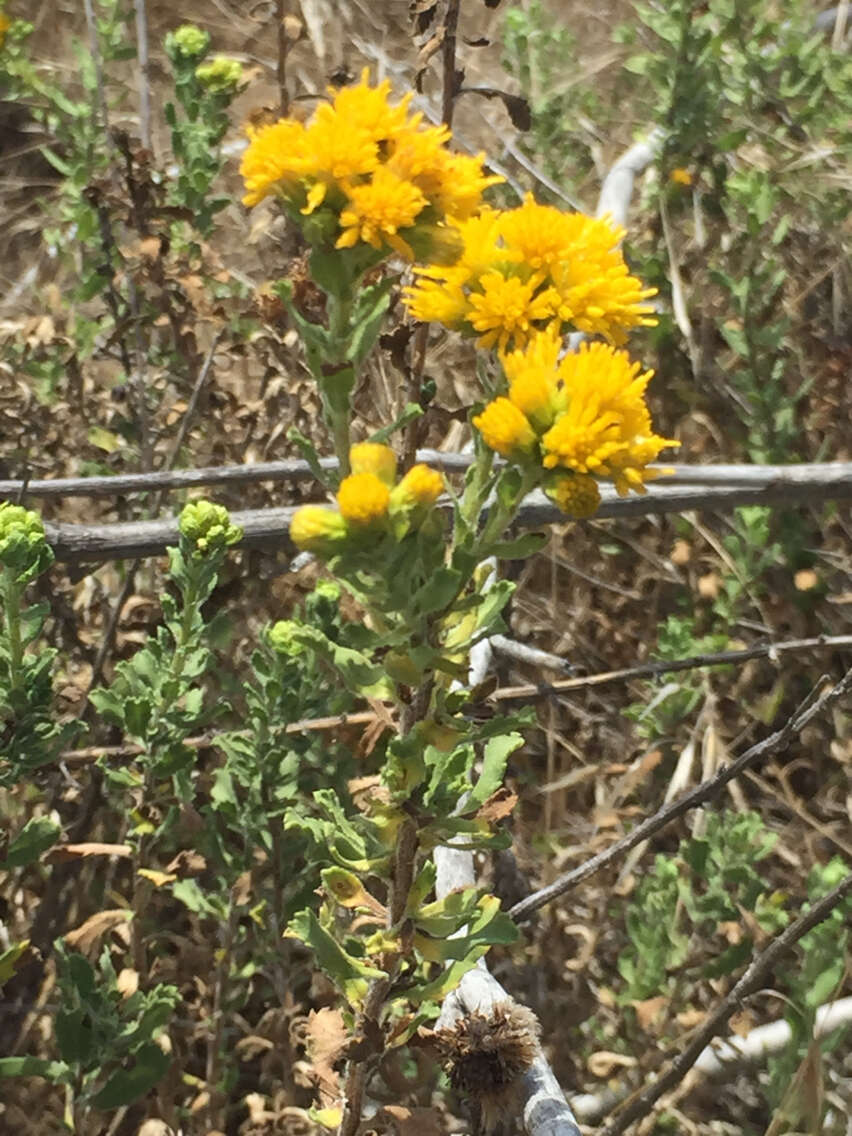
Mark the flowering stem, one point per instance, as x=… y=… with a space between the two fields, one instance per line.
x=12 y=608
x=502 y=511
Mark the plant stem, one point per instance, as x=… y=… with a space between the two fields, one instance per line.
x=12 y=607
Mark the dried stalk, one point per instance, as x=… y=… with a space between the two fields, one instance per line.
x=142 y=63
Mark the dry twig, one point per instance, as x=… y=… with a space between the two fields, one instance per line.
x=814 y=706
x=750 y=982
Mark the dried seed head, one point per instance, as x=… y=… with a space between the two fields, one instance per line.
x=485 y=1056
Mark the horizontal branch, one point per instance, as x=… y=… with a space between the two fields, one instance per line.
x=700 y=795
x=754 y=977
x=269 y=528
x=650 y=670
x=818 y=476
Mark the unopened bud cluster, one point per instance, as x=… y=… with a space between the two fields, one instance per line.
x=24 y=550
x=207 y=528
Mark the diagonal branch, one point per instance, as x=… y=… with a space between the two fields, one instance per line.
x=702 y=793
x=750 y=982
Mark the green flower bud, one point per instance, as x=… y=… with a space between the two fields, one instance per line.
x=187 y=42
x=282 y=638
x=220 y=74
x=23 y=546
x=208 y=528
x=327 y=590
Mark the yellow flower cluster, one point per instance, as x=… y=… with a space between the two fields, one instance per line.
x=369 y=501
x=579 y=418
x=380 y=175
x=524 y=269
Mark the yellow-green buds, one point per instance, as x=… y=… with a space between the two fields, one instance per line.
x=207 y=528
x=187 y=42
x=23 y=546
x=363 y=499
x=375 y=458
x=318 y=530
x=220 y=74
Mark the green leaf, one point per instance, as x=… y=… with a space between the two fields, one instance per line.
x=373 y=303
x=10 y=958
x=360 y=674
x=191 y=895
x=445 y=916
x=349 y=974
x=491 y=927
x=497 y=753
x=74 y=1035
x=127 y=1085
x=438 y=593
x=527 y=545
x=35 y=837
x=409 y=412
x=56 y=1071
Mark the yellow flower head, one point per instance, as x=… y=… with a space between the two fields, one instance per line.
x=505 y=429
x=363 y=499
x=270 y=164
x=431 y=301
x=378 y=209
x=462 y=183
x=577 y=495
x=606 y=428
x=373 y=457
x=315 y=529
x=530 y=266
x=507 y=308
x=534 y=385
x=373 y=166
x=421 y=486
x=680 y=176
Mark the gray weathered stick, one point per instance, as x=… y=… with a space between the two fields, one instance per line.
x=269 y=528
x=815 y=477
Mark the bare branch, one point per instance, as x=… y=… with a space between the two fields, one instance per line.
x=269 y=528
x=695 y=797
x=142 y=63
x=829 y=480
x=750 y=982
x=645 y=670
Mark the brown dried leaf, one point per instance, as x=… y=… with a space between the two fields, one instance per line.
x=649 y=1010
x=127 y=982
x=188 y=862
x=499 y=805
x=63 y=852
x=90 y=933
x=402 y=1121
x=158 y=879
x=325 y=1042
x=604 y=1063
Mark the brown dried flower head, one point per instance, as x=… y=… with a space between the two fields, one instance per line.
x=486 y=1055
